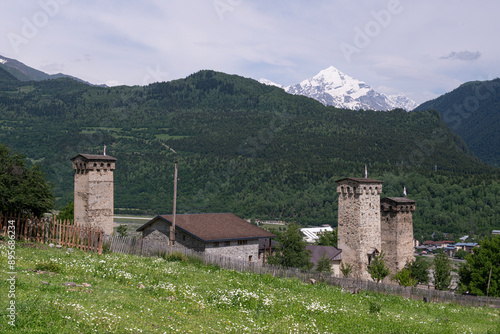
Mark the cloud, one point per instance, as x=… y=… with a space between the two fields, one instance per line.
x=463 y=55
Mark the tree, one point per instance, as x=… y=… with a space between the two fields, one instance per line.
x=68 y=212
x=404 y=277
x=419 y=270
x=442 y=271
x=324 y=265
x=482 y=267
x=378 y=269
x=291 y=250
x=122 y=230
x=346 y=269
x=327 y=238
x=461 y=254
x=22 y=189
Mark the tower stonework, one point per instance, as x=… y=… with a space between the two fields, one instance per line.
x=397 y=231
x=359 y=233
x=94 y=190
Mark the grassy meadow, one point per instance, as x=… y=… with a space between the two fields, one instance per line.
x=116 y=293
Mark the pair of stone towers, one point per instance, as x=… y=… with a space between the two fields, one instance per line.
x=94 y=191
x=368 y=225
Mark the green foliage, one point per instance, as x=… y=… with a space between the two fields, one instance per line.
x=419 y=269
x=122 y=230
x=291 y=250
x=475 y=273
x=23 y=189
x=471 y=111
x=461 y=254
x=346 y=269
x=442 y=271
x=50 y=265
x=378 y=269
x=68 y=212
x=404 y=277
x=374 y=307
x=328 y=238
x=324 y=265
x=175 y=257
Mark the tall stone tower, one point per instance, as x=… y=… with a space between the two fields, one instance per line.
x=359 y=222
x=94 y=190
x=397 y=231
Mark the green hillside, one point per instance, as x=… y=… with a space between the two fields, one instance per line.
x=59 y=291
x=247 y=148
x=473 y=112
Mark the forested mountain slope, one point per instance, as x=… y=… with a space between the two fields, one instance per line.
x=473 y=112
x=246 y=148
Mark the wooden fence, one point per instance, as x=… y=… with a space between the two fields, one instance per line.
x=50 y=230
x=136 y=245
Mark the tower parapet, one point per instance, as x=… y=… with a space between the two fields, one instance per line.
x=94 y=190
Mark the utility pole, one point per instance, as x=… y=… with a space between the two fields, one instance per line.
x=172 y=228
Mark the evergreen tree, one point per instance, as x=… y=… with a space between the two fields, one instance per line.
x=442 y=271
x=378 y=269
x=482 y=267
x=324 y=265
x=22 y=189
x=327 y=238
x=291 y=250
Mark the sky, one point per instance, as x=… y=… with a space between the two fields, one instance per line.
x=421 y=48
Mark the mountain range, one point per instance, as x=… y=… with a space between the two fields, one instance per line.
x=26 y=73
x=247 y=148
x=334 y=88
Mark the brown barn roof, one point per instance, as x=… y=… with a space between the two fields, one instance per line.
x=210 y=227
x=95 y=157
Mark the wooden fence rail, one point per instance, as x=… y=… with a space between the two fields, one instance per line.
x=50 y=230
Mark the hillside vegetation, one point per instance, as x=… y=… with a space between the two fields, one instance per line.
x=473 y=112
x=59 y=291
x=247 y=148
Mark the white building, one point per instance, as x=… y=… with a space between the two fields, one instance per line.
x=311 y=234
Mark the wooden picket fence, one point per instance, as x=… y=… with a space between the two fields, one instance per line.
x=47 y=230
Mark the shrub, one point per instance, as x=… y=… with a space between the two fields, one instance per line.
x=174 y=257
x=51 y=266
x=374 y=307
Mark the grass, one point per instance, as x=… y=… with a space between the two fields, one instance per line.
x=130 y=294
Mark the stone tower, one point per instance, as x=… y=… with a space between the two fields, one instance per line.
x=397 y=231
x=94 y=190
x=359 y=223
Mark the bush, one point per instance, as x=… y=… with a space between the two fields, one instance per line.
x=174 y=257
x=49 y=266
x=374 y=307
x=122 y=230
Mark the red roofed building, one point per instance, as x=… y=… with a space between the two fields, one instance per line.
x=214 y=233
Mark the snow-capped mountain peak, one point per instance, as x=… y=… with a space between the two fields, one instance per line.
x=3 y=61
x=332 y=87
x=269 y=83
